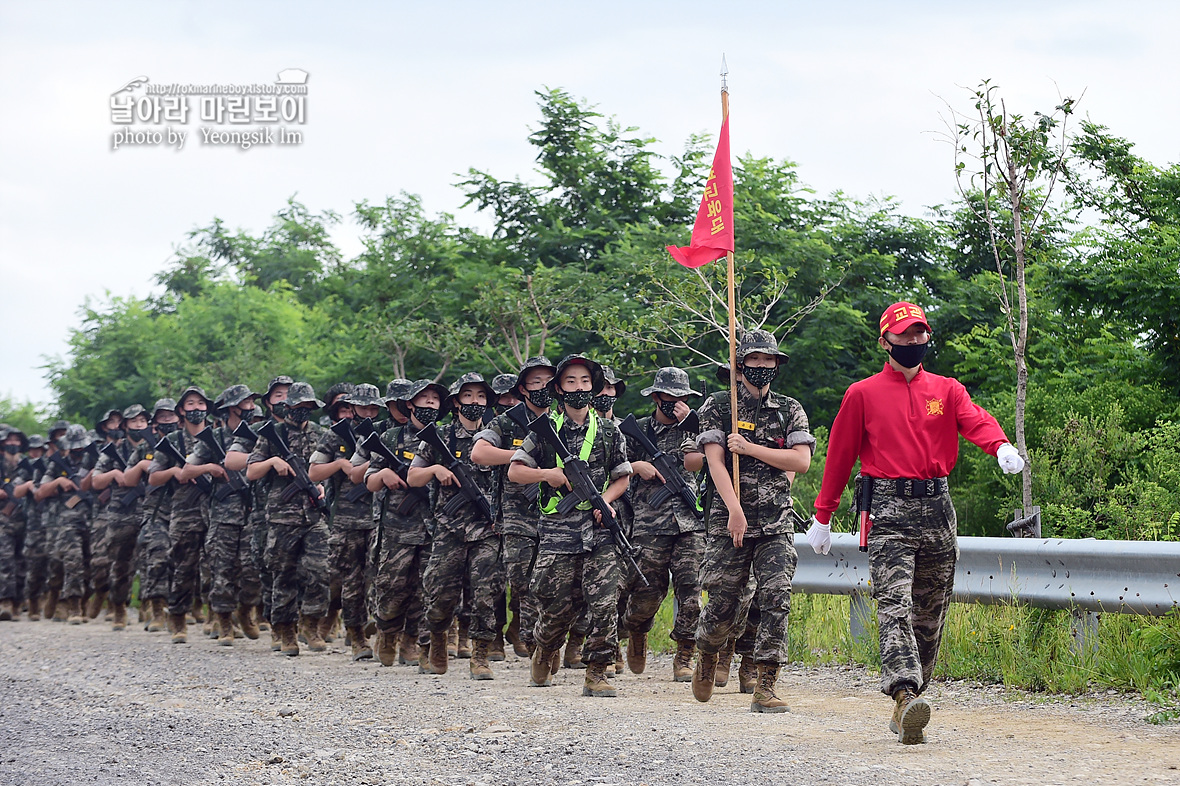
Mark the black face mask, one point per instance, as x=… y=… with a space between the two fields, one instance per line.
x=140 y=434
x=759 y=377
x=298 y=415
x=426 y=415
x=541 y=399
x=668 y=408
x=114 y=433
x=578 y=399
x=12 y=450
x=473 y=411
x=76 y=456
x=244 y=414
x=907 y=355
x=195 y=416
x=604 y=403
x=279 y=409
x=164 y=429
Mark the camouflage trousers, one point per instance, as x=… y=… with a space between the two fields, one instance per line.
x=397 y=585
x=453 y=563
x=122 y=532
x=745 y=624
x=520 y=554
x=664 y=557
x=259 y=535
x=73 y=549
x=912 y=555
x=36 y=560
x=154 y=545
x=348 y=551
x=100 y=561
x=188 y=542
x=559 y=580
x=12 y=559
x=727 y=570
x=297 y=555
x=233 y=577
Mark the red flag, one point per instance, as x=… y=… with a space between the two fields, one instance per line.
x=712 y=235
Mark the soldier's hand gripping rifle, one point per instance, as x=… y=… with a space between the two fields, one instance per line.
x=10 y=485
x=468 y=489
x=126 y=500
x=674 y=483
x=519 y=414
x=76 y=476
x=235 y=480
x=166 y=447
x=414 y=495
x=577 y=472
x=300 y=483
x=344 y=429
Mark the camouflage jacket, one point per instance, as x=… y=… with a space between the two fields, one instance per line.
x=113 y=510
x=345 y=515
x=233 y=509
x=190 y=505
x=517 y=515
x=674 y=517
x=66 y=507
x=774 y=421
x=467 y=521
x=16 y=475
x=297 y=510
x=412 y=528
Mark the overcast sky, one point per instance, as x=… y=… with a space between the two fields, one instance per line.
x=403 y=96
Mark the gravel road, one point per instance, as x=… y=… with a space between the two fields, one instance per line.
x=82 y=704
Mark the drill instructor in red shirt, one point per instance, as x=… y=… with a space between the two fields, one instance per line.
x=904 y=425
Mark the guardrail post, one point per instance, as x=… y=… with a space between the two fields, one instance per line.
x=1083 y=626
x=860 y=614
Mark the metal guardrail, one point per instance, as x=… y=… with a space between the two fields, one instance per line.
x=1101 y=576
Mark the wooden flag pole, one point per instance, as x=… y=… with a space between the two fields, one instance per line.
x=733 y=383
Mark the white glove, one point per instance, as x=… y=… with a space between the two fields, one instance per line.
x=1009 y=458
x=819 y=536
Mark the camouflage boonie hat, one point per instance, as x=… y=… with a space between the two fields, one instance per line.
x=670 y=381
x=59 y=425
x=76 y=437
x=99 y=424
x=10 y=430
x=233 y=395
x=165 y=404
x=470 y=378
x=337 y=395
x=189 y=390
x=36 y=441
x=596 y=376
x=134 y=410
x=611 y=378
x=301 y=393
x=281 y=379
x=503 y=383
x=759 y=341
x=364 y=395
x=540 y=361
x=398 y=390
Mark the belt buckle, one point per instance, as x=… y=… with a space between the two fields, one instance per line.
x=921 y=488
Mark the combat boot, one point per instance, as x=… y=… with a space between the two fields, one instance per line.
x=276 y=641
x=682 y=662
x=540 y=668
x=702 y=678
x=225 y=622
x=765 y=699
x=479 y=668
x=555 y=661
x=34 y=609
x=748 y=675
x=198 y=612
x=8 y=610
x=159 y=618
x=911 y=713
x=94 y=606
x=496 y=648
x=438 y=653
x=328 y=626
x=596 y=684
x=724 y=664
x=573 y=652
x=360 y=644
x=179 y=627
x=384 y=646
x=51 y=597
x=246 y=620
x=408 y=653
x=636 y=651
x=453 y=640
x=74 y=613
x=513 y=637
x=289 y=641
x=120 y=617
x=315 y=642
x=463 y=643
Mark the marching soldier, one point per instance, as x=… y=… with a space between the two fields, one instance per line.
x=51 y=526
x=16 y=474
x=153 y=543
x=110 y=429
x=36 y=555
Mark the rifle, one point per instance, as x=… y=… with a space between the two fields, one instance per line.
x=401 y=468
x=10 y=485
x=246 y=434
x=864 y=506
x=126 y=501
x=519 y=415
x=300 y=482
x=343 y=428
x=75 y=475
x=235 y=481
x=577 y=472
x=468 y=489
x=171 y=451
x=674 y=483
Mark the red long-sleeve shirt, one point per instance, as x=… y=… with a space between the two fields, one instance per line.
x=902 y=430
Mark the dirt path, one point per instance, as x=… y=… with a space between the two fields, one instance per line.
x=84 y=705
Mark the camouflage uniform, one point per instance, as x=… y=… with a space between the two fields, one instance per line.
x=71 y=511
x=297 y=541
x=768 y=547
x=465 y=547
x=233 y=578
x=36 y=549
x=12 y=532
x=575 y=556
x=122 y=529
x=188 y=523
x=153 y=544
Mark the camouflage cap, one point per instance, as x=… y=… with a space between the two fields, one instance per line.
x=75 y=438
x=540 y=361
x=611 y=378
x=422 y=384
x=10 y=431
x=470 y=378
x=99 y=424
x=135 y=410
x=189 y=391
x=59 y=425
x=234 y=395
x=163 y=404
x=596 y=375
x=336 y=396
x=364 y=395
x=503 y=383
x=398 y=390
x=36 y=441
x=670 y=381
x=301 y=393
x=281 y=379
x=759 y=341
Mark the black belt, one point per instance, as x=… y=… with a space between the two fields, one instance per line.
x=910 y=487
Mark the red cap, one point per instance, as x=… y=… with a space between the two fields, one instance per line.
x=900 y=316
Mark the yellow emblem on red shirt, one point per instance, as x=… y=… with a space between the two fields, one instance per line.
x=934 y=406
